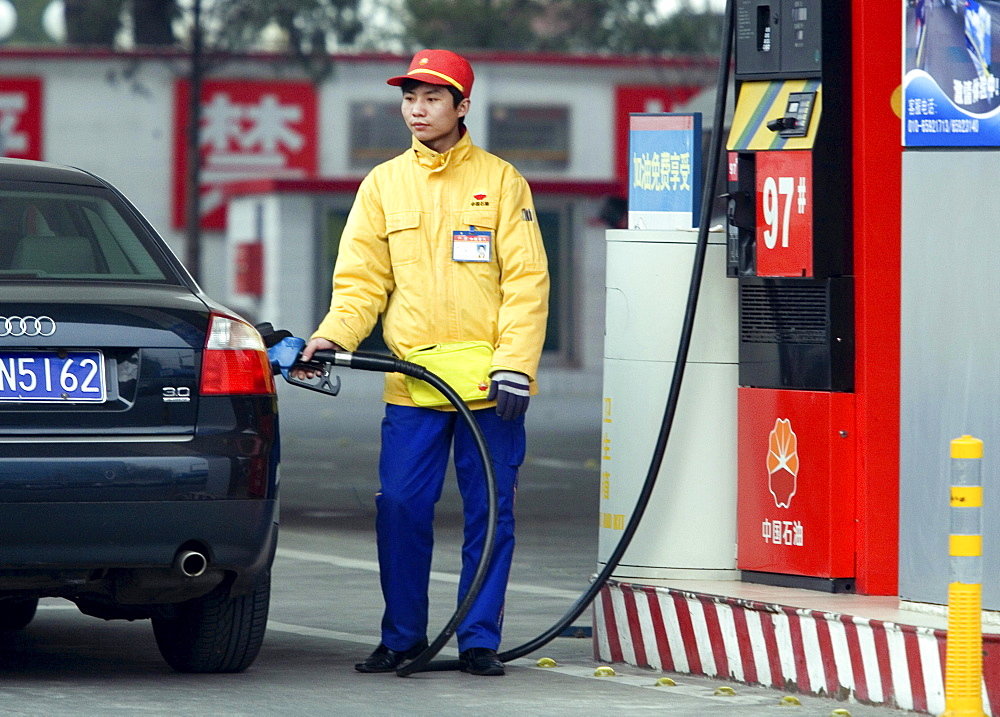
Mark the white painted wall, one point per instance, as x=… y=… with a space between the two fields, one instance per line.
x=113 y=115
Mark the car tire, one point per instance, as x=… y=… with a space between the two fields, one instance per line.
x=216 y=632
x=17 y=613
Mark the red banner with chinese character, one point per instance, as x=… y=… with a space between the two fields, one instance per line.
x=21 y=117
x=249 y=130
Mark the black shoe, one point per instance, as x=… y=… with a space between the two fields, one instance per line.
x=385 y=660
x=481 y=661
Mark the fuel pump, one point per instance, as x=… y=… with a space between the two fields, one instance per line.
x=789 y=246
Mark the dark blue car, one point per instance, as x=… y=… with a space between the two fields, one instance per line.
x=138 y=428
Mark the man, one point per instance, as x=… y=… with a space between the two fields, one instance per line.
x=404 y=255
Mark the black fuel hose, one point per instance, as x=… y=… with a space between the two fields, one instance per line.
x=670 y=411
x=391 y=364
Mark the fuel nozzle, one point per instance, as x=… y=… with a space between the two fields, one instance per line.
x=283 y=354
x=782 y=123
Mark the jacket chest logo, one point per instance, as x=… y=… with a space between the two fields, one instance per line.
x=480 y=199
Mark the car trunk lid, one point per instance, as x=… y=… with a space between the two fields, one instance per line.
x=102 y=359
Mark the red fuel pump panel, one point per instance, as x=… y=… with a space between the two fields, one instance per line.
x=796 y=491
x=784 y=213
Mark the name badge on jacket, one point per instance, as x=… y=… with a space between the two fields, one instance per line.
x=471 y=245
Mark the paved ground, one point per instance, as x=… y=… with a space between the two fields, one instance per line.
x=326 y=605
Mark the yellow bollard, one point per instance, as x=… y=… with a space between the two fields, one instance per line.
x=964 y=650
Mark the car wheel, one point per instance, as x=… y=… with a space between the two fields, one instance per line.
x=15 y=614
x=215 y=633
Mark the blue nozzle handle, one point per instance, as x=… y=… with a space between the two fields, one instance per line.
x=284 y=355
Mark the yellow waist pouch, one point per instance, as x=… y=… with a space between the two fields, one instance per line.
x=463 y=365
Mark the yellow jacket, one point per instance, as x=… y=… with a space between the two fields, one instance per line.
x=396 y=257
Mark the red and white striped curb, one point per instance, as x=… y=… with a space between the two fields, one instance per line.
x=786 y=648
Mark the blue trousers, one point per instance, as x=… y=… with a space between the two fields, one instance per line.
x=414 y=458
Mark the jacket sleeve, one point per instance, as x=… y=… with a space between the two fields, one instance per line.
x=362 y=276
x=524 y=281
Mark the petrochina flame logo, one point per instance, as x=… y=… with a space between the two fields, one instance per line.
x=782 y=462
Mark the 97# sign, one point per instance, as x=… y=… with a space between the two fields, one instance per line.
x=784 y=213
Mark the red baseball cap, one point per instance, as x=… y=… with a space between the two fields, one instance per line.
x=439 y=67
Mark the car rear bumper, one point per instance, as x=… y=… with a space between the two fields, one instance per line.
x=236 y=535
x=128 y=554
x=104 y=517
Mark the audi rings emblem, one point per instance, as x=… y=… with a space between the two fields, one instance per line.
x=27 y=326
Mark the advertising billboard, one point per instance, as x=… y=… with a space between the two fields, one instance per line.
x=951 y=98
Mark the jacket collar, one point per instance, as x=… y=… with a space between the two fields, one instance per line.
x=437 y=161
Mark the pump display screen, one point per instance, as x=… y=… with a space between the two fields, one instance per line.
x=764 y=28
x=778 y=38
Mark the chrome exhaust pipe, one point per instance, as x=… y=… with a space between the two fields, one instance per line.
x=191 y=563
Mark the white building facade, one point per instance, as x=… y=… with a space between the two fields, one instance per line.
x=281 y=158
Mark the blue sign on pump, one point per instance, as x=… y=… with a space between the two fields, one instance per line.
x=664 y=173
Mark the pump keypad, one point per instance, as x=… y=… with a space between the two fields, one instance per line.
x=798 y=113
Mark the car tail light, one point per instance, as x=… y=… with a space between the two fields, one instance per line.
x=235 y=360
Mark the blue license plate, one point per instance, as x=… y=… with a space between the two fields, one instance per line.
x=50 y=377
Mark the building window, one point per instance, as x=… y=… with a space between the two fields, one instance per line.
x=378 y=133
x=554 y=221
x=534 y=138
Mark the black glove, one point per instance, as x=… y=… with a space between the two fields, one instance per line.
x=510 y=389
